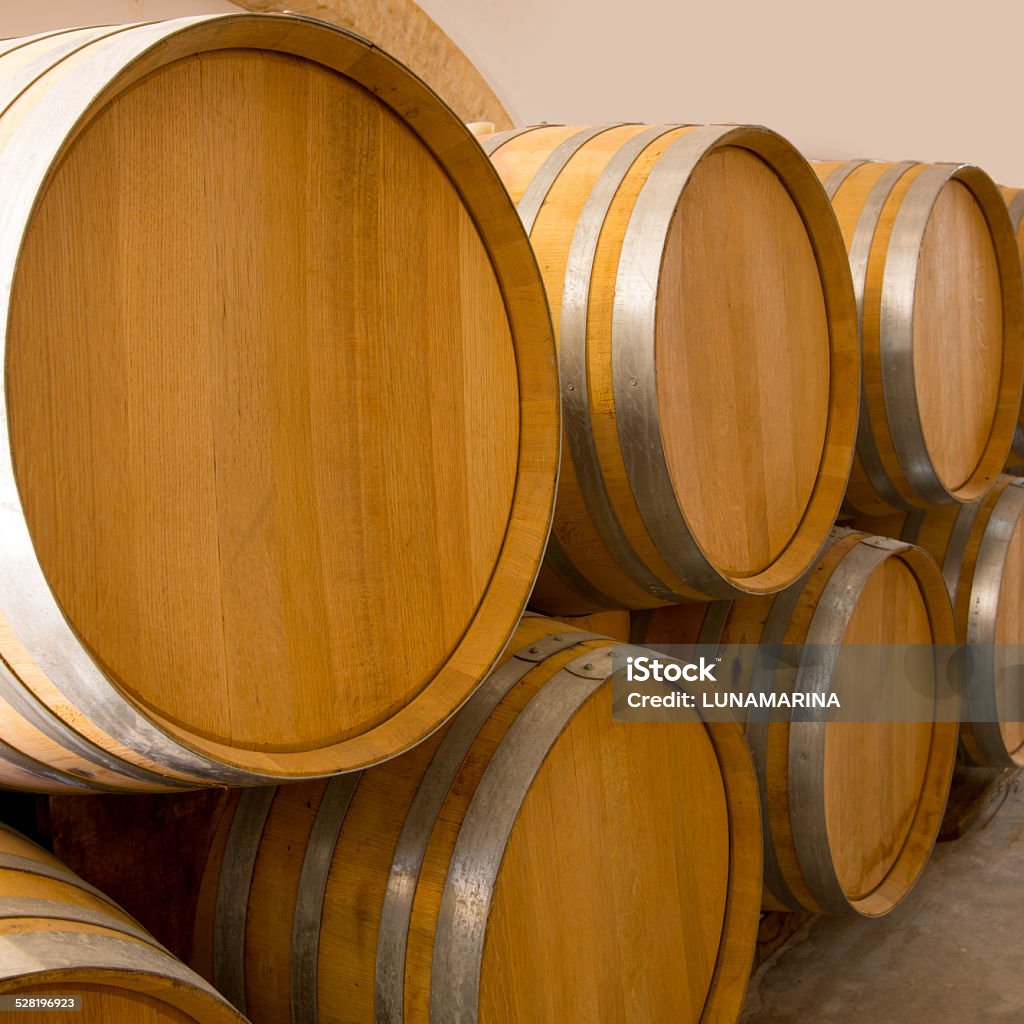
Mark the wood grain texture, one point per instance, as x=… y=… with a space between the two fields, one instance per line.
x=111 y=992
x=202 y=460
x=958 y=335
x=883 y=784
x=729 y=413
x=404 y=29
x=960 y=356
x=252 y=418
x=670 y=938
x=875 y=773
x=748 y=305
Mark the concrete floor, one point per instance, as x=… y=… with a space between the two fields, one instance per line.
x=951 y=953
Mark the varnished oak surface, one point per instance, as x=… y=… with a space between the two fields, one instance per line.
x=743 y=361
x=274 y=377
x=591 y=920
x=874 y=772
x=623 y=840
x=260 y=453
x=958 y=334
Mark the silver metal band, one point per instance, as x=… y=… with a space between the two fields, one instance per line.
x=27 y=954
x=633 y=370
x=15 y=862
x=40 y=717
x=309 y=900
x=480 y=847
x=860 y=254
x=836 y=177
x=231 y=906
x=396 y=912
x=540 y=184
x=956 y=547
x=50 y=910
x=764 y=680
x=495 y=142
x=529 y=207
x=807 y=730
x=896 y=332
x=572 y=351
x=981 y=693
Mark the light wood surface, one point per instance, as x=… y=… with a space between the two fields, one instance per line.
x=875 y=772
x=589 y=921
x=141 y=983
x=958 y=335
x=742 y=330
x=960 y=363
x=404 y=29
x=255 y=423
x=881 y=785
x=749 y=306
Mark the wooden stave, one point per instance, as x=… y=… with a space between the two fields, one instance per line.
x=115 y=745
x=223 y=909
x=107 y=949
x=813 y=886
x=882 y=483
x=680 y=572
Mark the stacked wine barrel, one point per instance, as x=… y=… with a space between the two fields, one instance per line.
x=281 y=403
x=309 y=395
x=65 y=941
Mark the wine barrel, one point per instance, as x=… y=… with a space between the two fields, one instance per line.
x=708 y=358
x=1015 y=204
x=938 y=282
x=63 y=938
x=533 y=861
x=980 y=547
x=281 y=406
x=850 y=809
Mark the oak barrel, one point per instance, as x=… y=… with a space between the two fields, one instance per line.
x=532 y=861
x=851 y=809
x=281 y=406
x=938 y=282
x=61 y=937
x=708 y=357
x=980 y=547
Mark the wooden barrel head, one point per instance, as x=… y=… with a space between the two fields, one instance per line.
x=958 y=334
x=742 y=329
x=271 y=365
x=875 y=771
x=628 y=928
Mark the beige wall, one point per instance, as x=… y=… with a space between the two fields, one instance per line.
x=25 y=17
x=884 y=78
